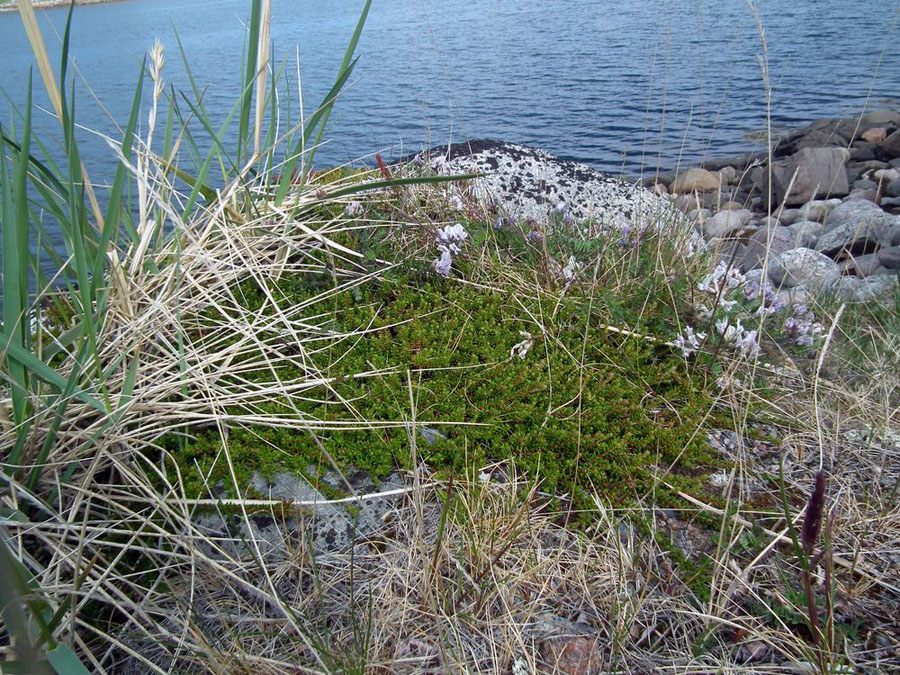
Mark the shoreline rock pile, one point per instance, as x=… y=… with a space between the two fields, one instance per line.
x=825 y=216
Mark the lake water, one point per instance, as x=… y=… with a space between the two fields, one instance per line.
x=623 y=86
x=613 y=84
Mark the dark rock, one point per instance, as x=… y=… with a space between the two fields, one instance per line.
x=891 y=146
x=855 y=171
x=891 y=203
x=740 y=163
x=864 y=184
x=862 y=151
x=819 y=172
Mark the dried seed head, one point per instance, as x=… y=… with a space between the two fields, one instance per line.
x=812 y=519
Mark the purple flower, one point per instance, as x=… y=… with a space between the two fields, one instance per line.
x=534 y=236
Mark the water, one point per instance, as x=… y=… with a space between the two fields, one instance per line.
x=623 y=86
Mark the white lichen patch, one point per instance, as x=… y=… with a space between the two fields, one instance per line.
x=527 y=183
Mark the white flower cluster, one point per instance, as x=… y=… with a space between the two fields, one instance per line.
x=571 y=269
x=736 y=336
x=722 y=280
x=449 y=242
x=689 y=341
x=801 y=327
x=353 y=209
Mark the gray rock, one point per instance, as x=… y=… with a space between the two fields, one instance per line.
x=870 y=195
x=879 y=118
x=726 y=222
x=886 y=175
x=864 y=184
x=788 y=216
x=806 y=232
x=855 y=227
x=818 y=171
x=891 y=145
x=892 y=189
x=862 y=151
x=879 y=288
x=895 y=163
x=890 y=257
x=817 y=209
x=862 y=266
x=728 y=174
x=775 y=241
x=699 y=180
x=892 y=203
x=687 y=203
x=731 y=206
x=804 y=267
x=769 y=221
x=699 y=215
x=793 y=296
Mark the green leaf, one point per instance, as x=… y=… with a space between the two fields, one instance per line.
x=65 y=661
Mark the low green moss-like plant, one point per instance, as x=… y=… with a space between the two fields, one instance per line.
x=496 y=373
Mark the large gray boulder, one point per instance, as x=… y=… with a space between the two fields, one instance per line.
x=804 y=267
x=819 y=173
x=855 y=227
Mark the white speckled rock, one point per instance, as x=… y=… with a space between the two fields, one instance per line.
x=528 y=183
x=818 y=209
x=804 y=267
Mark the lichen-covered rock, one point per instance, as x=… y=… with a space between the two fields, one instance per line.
x=774 y=241
x=530 y=183
x=804 y=267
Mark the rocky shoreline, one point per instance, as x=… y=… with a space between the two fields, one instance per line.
x=824 y=217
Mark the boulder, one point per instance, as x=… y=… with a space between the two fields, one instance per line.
x=879 y=118
x=695 y=180
x=731 y=206
x=774 y=240
x=804 y=267
x=886 y=175
x=869 y=194
x=874 y=135
x=817 y=209
x=529 y=183
x=726 y=222
x=891 y=145
x=880 y=288
x=862 y=152
x=892 y=189
x=687 y=203
x=855 y=227
x=890 y=257
x=863 y=266
x=727 y=174
x=819 y=171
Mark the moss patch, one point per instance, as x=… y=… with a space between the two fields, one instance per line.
x=585 y=408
